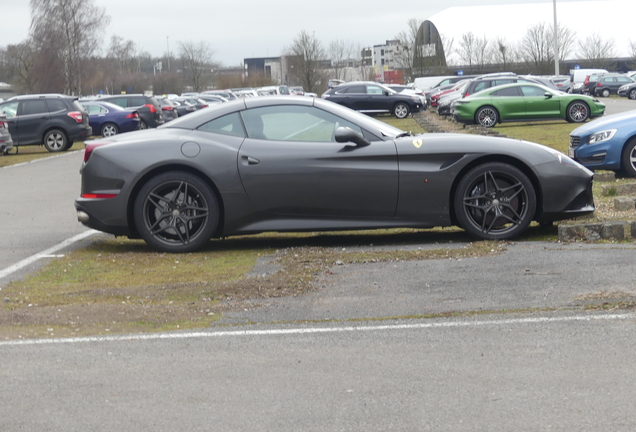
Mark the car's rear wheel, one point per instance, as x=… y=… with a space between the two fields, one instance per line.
x=55 y=141
x=109 y=129
x=577 y=112
x=401 y=110
x=628 y=158
x=176 y=212
x=143 y=125
x=632 y=94
x=605 y=92
x=487 y=116
x=495 y=201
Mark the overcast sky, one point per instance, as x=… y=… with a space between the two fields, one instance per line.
x=238 y=29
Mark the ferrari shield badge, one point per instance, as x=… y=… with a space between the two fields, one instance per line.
x=417 y=143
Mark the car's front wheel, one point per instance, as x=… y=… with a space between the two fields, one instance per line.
x=401 y=110
x=176 y=212
x=628 y=158
x=495 y=201
x=55 y=141
x=487 y=116
x=577 y=112
x=632 y=94
x=109 y=129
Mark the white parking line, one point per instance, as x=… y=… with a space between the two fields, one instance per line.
x=46 y=253
x=41 y=159
x=297 y=331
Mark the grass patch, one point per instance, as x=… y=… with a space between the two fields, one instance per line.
x=30 y=153
x=554 y=134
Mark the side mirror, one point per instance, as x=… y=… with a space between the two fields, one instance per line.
x=547 y=94
x=345 y=135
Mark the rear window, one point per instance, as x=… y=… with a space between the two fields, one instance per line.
x=56 y=105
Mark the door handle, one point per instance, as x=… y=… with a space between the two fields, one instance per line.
x=250 y=160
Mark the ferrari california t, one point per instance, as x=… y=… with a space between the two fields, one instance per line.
x=286 y=163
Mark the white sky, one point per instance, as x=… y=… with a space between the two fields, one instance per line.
x=238 y=29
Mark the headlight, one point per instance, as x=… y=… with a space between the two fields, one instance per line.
x=601 y=136
x=565 y=160
x=622 y=87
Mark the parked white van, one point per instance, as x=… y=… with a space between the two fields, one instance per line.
x=425 y=83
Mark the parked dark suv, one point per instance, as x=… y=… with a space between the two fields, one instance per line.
x=148 y=107
x=371 y=97
x=608 y=84
x=52 y=120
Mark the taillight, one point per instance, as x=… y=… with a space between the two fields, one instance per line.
x=204 y=106
x=599 y=85
x=152 y=108
x=466 y=94
x=587 y=80
x=76 y=115
x=133 y=115
x=89 y=150
x=99 y=195
x=167 y=108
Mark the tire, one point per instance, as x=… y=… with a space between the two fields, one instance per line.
x=109 y=129
x=143 y=125
x=605 y=92
x=176 y=212
x=495 y=201
x=577 y=112
x=401 y=110
x=55 y=141
x=632 y=94
x=487 y=116
x=628 y=159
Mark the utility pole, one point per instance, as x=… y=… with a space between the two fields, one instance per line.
x=556 y=43
x=168 y=45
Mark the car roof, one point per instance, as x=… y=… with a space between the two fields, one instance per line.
x=42 y=96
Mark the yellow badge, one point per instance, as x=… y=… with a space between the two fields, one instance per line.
x=417 y=143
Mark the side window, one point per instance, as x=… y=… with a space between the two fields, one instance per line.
x=480 y=86
x=610 y=79
x=10 y=109
x=227 y=125
x=293 y=123
x=371 y=89
x=136 y=101
x=122 y=102
x=532 y=91
x=501 y=82
x=510 y=91
x=37 y=106
x=355 y=89
x=623 y=80
x=56 y=105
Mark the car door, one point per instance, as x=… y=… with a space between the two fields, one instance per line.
x=291 y=165
x=538 y=105
x=509 y=103
x=33 y=118
x=353 y=97
x=377 y=100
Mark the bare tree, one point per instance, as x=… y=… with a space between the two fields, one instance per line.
x=307 y=57
x=196 y=59
x=596 y=50
x=341 y=53
x=72 y=29
x=123 y=52
x=503 y=54
x=21 y=66
x=409 y=52
x=537 y=46
x=474 y=51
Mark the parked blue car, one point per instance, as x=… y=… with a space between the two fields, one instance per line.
x=607 y=143
x=108 y=119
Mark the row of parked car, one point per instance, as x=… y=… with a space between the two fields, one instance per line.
x=56 y=121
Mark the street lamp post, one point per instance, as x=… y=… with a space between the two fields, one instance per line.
x=168 y=45
x=556 y=43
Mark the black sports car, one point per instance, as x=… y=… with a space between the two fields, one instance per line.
x=286 y=163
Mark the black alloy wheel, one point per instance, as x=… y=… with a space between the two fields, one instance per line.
x=143 y=125
x=176 y=212
x=495 y=201
x=56 y=141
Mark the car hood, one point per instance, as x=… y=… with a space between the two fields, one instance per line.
x=607 y=122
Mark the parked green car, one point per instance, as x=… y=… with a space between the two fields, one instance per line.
x=524 y=101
